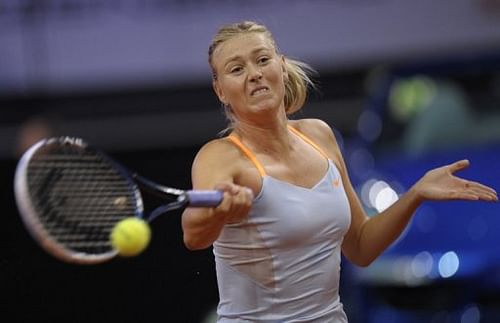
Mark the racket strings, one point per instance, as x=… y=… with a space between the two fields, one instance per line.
x=80 y=197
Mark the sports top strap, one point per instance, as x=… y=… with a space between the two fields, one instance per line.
x=248 y=153
x=309 y=141
x=255 y=161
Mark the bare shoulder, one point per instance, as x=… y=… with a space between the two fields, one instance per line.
x=322 y=134
x=216 y=150
x=215 y=162
x=317 y=130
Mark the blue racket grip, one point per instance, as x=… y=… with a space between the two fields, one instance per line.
x=204 y=198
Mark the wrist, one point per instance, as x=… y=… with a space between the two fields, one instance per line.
x=416 y=195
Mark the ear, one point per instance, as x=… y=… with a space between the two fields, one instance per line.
x=219 y=92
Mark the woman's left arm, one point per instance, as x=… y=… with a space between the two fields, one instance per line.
x=368 y=237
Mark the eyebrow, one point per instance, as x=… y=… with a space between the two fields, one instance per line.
x=236 y=57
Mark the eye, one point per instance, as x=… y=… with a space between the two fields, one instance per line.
x=235 y=69
x=263 y=59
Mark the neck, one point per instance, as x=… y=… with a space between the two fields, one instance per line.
x=270 y=138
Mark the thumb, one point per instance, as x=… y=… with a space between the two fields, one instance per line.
x=459 y=165
x=227 y=187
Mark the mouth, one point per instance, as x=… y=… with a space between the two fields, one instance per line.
x=259 y=90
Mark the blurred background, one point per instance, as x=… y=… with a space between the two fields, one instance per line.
x=407 y=86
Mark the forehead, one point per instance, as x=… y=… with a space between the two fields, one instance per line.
x=241 y=45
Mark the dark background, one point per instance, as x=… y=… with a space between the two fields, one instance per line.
x=131 y=77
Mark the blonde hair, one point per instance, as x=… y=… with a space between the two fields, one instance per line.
x=296 y=84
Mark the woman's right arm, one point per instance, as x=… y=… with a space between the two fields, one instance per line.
x=215 y=167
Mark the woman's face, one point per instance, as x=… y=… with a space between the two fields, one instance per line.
x=250 y=75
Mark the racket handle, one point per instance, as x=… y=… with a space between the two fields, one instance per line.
x=205 y=198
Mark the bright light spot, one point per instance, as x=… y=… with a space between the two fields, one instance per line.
x=378 y=195
x=375 y=190
x=421 y=265
x=385 y=198
x=471 y=315
x=365 y=191
x=448 y=264
x=409 y=96
x=401 y=270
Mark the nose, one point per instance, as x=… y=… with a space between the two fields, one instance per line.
x=254 y=73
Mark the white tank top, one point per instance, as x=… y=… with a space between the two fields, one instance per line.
x=283 y=263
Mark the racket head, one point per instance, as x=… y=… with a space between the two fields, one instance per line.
x=70 y=195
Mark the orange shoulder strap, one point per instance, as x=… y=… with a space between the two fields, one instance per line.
x=248 y=153
x=309 y=141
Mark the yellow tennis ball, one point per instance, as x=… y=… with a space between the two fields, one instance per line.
x=130 y=236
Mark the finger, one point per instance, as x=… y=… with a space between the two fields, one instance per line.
x=483 y=191
x=240 y=206
x=481 y=186
x=459 y=165
x=465 y=196
x=244 y=198
x=483 y=194
x=227 y=187
x=225 y=205
x=249 y=193
x=224 y=186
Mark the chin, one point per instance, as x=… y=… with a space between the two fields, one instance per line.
x=266 y=105
x=264 y=108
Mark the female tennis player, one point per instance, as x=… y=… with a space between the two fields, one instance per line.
x=289 y=208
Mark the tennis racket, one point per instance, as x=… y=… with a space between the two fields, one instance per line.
x=70 y=196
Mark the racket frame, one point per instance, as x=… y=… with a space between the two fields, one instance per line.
x=31 y=220
x=29 y=214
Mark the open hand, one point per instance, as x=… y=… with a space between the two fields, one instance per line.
x=441 y=184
